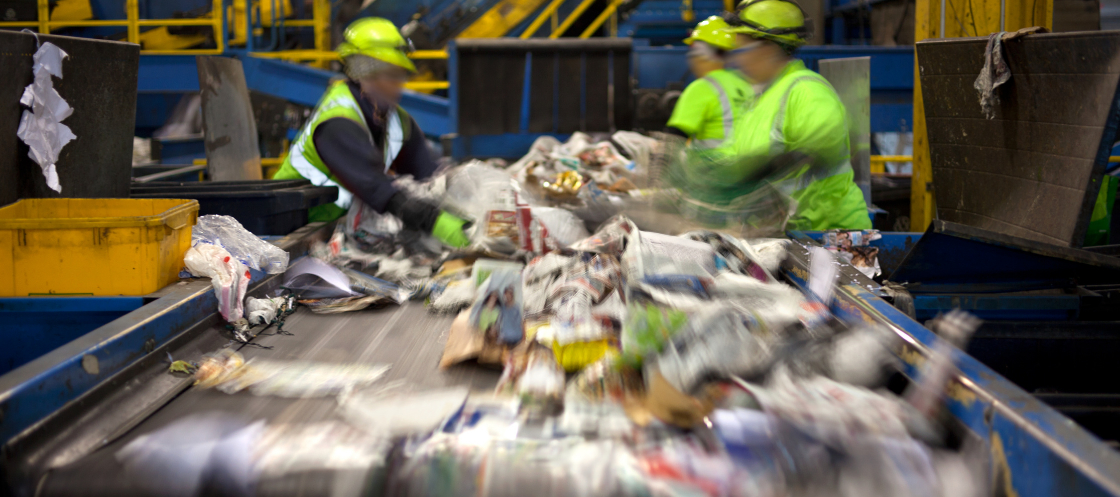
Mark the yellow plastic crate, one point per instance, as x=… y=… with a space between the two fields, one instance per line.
x=72 y=246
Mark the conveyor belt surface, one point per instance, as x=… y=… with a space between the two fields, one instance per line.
x=407 y=337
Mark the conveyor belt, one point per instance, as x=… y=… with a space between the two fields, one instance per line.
x=407 y=337
x=1050 y=456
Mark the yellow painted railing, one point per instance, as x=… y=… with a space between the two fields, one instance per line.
x=879 y=162
x=611 y=12
x=548 y=12
x=607 y=12
x=133 y=23
x=583 y=5
x=320 y=21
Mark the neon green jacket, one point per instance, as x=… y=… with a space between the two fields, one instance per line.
x=800 y=111
x=303 y=161
x=707 y=108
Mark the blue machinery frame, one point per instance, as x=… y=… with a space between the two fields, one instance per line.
x=892 y=76
x=892 y=86
x=892 y=83
x=1033 y=450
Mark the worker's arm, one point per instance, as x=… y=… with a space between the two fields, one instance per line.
x=692 y=108
x=817 y=125
x=360 y=166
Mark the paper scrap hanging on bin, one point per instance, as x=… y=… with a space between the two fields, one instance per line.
x=41 y=127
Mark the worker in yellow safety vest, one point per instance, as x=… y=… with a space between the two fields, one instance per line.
x=794 y=111
x=359 y=137
x=706 y=110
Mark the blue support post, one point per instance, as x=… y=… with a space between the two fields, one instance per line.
x=526 y=90
x=839 y=30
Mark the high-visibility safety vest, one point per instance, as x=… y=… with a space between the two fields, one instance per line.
x=303 y=161
x=800 y=111
x=707 y=108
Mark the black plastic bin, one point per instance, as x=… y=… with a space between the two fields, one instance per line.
x=263 y=207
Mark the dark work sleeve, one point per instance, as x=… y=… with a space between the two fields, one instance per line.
x=414 y=157
x=675 y=131
x=358 y=164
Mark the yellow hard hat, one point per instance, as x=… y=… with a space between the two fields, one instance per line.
x=379 y=39
x=781 y=21
x=713 y=31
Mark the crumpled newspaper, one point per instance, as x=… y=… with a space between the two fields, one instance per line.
x=41 y=127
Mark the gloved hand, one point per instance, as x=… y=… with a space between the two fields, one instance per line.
x=424 y=216
x=449 y=230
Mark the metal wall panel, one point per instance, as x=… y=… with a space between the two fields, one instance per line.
x=99 y=82
x=1035 y=169
x=232 y=145
x=574 y=85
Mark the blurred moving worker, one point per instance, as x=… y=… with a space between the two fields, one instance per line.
x=794 y=111
x=706 y=110
x=359 y=134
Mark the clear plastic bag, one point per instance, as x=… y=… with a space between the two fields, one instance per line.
x=473 y=187
x=229 y=277
x=227 y=233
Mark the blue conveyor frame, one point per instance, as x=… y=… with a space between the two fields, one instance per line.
x=1035 y=451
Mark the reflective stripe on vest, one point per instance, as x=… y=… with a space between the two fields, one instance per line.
x=778 y=147
x=394 y=140
x=728 y=118
x=318 y=173
x=317 y=177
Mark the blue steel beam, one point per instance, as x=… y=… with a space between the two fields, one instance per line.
x=892 y=68
x=34 y=326
x=505 y=146
x=31 y=392
x=167 y=74
x=295 y=83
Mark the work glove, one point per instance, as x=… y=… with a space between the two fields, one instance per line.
x=424 y=216
x=449 y=230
